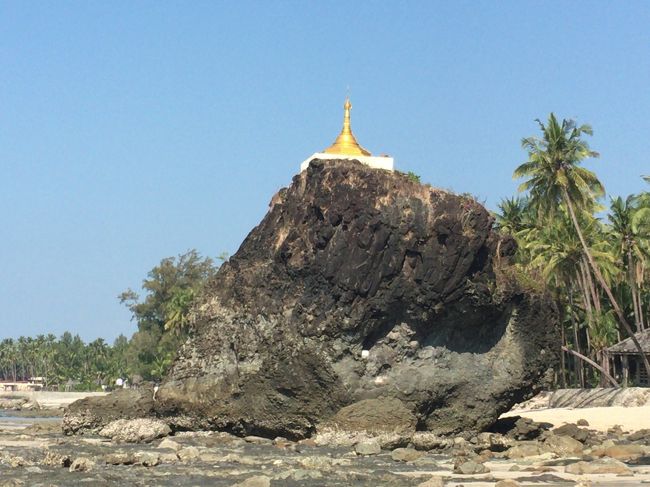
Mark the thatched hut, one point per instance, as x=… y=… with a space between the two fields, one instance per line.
x=626 y=361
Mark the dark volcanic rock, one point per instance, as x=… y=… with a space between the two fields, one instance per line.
x=360 y=284
x=93 y=413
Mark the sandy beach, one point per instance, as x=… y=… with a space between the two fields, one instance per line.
x=599 y=418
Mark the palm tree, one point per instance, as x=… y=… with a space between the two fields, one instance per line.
x=555 y=177
x=514 y=215
x=555 y=250
x=629 y=229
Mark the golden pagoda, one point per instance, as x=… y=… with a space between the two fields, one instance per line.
x=346 y=147
x=346 y=143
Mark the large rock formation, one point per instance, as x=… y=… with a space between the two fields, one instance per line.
x=362 y=284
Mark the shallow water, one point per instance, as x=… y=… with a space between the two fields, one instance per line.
x=14 y=420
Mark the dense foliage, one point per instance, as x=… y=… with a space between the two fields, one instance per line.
x=595 y=266
x=162 y=317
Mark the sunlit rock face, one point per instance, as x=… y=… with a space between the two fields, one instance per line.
x=362 y=284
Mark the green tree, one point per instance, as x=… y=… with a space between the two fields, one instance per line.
x=629 y=231
x=555 y=177
x=162 y=315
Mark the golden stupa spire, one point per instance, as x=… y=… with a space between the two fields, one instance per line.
x=345 y=143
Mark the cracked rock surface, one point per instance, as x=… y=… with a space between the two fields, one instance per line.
x=359 y=287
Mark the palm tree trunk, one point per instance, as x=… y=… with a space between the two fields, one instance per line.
x=603 y=283
x=594 y=365
x=577 y=366
x=631 y=271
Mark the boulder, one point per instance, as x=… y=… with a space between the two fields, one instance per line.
x=361 y=284
x=119 y=458
x=625 y=453
x=168 y=443
x=367 y=447
x=435 y=481
x=256 y=481
x=642 y=435
x=572 y=430
x=470 y=467
x=602 y=465
x=562 y=446
x=375 y=416
x=82 y=464
x=93 y=413
x=405 y=454
x=147 y=458
x=423 y=440
x=523 y=450
x=135 y=430
x=188 y=454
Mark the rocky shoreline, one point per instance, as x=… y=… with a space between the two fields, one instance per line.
x=144 y=452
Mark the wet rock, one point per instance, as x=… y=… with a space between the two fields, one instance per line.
x=367 y=447
x=82 y=464
x=603 y=465
x=405 y=454
x=135 y=430
x=582 y=422
x=256 y=481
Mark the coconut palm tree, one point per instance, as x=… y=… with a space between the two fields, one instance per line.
x=514 y=215
x=630 y=230
x=555 y=177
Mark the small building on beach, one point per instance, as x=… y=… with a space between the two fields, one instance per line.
x=625 y=360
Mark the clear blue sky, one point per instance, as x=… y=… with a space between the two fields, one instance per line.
x=132 y=131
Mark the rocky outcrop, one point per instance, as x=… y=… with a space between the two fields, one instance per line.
x=360 y=284
x=92 y=413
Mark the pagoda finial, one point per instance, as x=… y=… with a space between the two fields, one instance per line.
x=345 y=143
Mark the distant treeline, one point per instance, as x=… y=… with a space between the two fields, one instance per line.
x=163 y=320
x=64 y=363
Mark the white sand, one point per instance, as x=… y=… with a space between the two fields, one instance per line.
x=52 y=400
x=602 y=418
